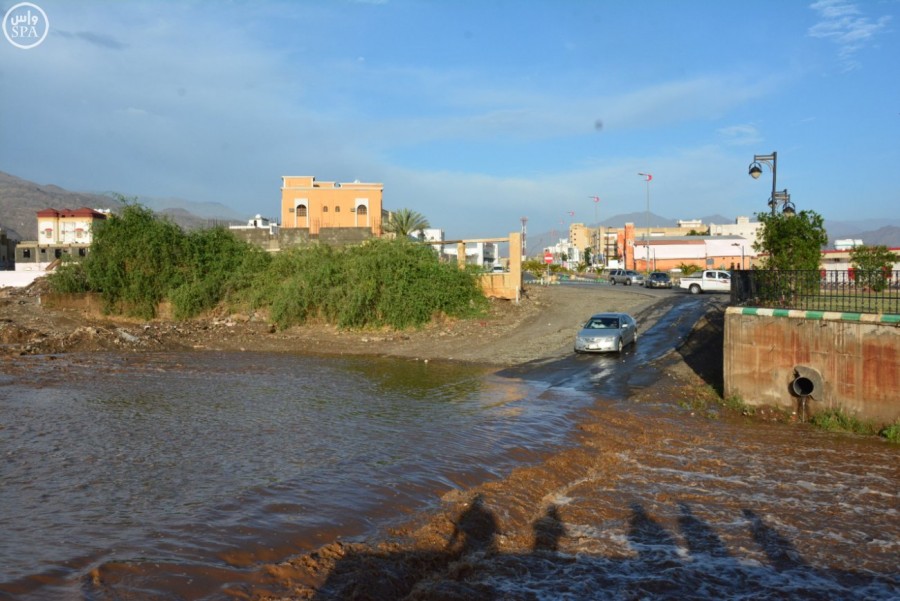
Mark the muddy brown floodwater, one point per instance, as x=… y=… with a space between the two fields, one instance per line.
x=656 y=504
x=648 y=500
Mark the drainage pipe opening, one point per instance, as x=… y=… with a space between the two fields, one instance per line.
x=803 y=386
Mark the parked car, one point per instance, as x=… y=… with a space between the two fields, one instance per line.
x=625 y=276
x=658 y=279
x=606 y=332
x=711 y=280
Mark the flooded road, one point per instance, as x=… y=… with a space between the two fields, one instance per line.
x=175 y=476
x=216 y=461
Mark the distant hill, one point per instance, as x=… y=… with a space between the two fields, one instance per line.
x=888 y=235
x=21 y=199
x=639 y=219
x=206 y=210
x=872 y=232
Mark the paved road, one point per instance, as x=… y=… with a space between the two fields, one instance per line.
x=662 y=327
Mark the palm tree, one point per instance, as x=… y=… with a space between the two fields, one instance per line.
x=403 y=222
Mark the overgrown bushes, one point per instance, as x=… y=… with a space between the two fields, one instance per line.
x=138 y=260
x=383 y=282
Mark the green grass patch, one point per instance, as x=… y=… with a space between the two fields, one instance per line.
x=837 y=420
x=891 y=432
x=737 y=404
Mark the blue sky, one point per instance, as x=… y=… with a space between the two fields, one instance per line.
x=474 y=113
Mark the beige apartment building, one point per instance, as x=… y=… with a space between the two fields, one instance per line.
x=60 y=232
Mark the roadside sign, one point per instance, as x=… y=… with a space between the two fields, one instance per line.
x=548 y=258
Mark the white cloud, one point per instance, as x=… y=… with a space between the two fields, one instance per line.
x=844 y=24
x=740 y=135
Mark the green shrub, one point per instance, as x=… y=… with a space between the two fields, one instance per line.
x=535 y=267
x=69 y=278
x=836 y=420
x=393 y=283
x=215 y=265
x=135 y=260
x=688 y=269
x=736 y=403
x=891 y=432
x=296 y=284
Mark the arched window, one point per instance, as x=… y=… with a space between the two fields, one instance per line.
x=362 y=210
x=301 y=211
x=337 y=209
x=324 y=209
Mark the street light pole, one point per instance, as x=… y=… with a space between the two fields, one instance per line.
x=742 y=253
x=781 y=197
x=597 y=235
x=756 y=170
x=647 y=179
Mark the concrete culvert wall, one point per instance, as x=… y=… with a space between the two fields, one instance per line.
x=841 y=361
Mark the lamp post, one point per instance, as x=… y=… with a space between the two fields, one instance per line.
x=596 y=200
x=771 y=160
x=647 y=178
x=742 y=253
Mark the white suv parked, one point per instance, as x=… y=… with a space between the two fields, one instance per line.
x=625 y=276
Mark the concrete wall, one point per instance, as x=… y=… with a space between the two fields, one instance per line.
x=854 y=358
x=506 y=285
x=290 y=237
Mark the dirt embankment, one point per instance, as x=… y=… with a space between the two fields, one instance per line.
x=541 y=324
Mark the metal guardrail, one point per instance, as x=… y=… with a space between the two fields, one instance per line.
x=847 y=291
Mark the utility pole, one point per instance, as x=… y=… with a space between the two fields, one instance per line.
x=647 y=179
x=524 y=249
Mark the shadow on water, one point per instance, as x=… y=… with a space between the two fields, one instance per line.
x=692 y=563
x=657 y=567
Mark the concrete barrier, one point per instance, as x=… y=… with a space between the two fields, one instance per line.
x=824 y=360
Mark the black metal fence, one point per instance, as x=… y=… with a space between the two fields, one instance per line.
x=851 y=291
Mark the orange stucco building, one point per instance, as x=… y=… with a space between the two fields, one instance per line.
x=309 y=204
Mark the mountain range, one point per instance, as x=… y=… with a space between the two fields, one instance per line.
x=20 y=199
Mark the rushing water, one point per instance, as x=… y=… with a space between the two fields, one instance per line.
x=215 y=458
x=174 y=474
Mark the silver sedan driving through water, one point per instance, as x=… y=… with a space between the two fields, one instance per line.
x=606 y=332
